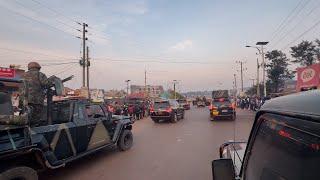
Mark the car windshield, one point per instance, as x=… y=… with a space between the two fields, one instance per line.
x=161 y=105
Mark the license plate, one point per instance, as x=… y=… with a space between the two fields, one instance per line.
x=224 y=110
x=215 y=113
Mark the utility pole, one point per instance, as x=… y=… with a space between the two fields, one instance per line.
x=241 y=72
x=88 y=64
x=258 y=83
x=252 y=81
x=127 y=81
x=83 y=61
x=235 y=81
x=260 y=49
x=174 y=89
x=145 y=82
x=264 y=73
x=235 y=84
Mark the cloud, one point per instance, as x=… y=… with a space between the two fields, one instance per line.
x=183 y=45
x=136 y=8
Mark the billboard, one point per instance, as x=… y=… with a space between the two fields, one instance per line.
x=308 y=77
x=7 y=73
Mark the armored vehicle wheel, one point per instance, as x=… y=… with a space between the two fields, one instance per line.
x=20 y=172
x=174 y=118
x=126 y=140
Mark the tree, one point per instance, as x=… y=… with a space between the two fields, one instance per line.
x=317 y=50
x=306 y=53
x=277 y=69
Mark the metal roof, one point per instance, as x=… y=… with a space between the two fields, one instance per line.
x=303 y=104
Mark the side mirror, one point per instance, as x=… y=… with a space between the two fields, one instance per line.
x=222 y=169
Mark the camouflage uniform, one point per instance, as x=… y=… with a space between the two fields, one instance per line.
x=33 y=94
x=14 y=120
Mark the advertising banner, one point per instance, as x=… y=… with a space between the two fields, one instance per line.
x=308 y=77
x=7 y=73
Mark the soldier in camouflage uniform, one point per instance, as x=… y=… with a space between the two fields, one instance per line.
x=33 y=92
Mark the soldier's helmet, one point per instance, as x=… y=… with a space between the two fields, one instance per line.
x=34 y=65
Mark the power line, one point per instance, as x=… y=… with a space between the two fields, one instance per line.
x=30 y=52
x=153 y=61
x=55 y=11
x=293 y=28
x=280 y=27
x=305 y=32
x=33 y=19
x=67 y=68
x=61 y=22
x=57 y=64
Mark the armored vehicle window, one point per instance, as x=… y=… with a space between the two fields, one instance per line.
x=94 y=111
x=284 y=148
x=61 y=112
x=5 y=104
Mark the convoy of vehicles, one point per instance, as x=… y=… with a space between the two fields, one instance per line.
x=169 y=110
x=283 y=143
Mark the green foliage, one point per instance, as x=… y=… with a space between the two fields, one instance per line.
x=253 y=90
x=277 y=69
x=306 y=53
x=178 y=95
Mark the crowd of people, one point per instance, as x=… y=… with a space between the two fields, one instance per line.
x=251 y=103
x=136 y=110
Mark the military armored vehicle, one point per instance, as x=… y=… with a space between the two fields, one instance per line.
x=75 y=128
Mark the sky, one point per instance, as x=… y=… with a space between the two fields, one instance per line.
x=194 y=42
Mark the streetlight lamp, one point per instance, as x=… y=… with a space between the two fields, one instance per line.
x=260 y=49
x=127 y=81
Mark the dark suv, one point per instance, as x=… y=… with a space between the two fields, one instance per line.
x=284 y=143
x=222 y=107
x=166 y=110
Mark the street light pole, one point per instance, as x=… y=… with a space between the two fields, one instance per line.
x=258 y=83
x=264 y=73
x=127 y=81
x=261 y=44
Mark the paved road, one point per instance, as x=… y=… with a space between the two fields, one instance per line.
x=180 y=151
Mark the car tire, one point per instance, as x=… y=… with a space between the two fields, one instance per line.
x=125 y=141
x=182 y=116
x=174 y=118
x=19 y=172
x=155 y=120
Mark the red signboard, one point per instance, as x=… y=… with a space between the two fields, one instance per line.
x=7 y=73
x=308 y=77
